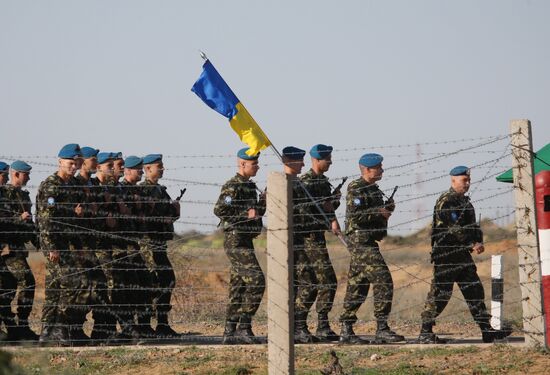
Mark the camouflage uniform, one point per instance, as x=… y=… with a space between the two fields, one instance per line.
x=247 y=282
x=305 y=282
x=138 y=277
x=67 y=286
x=454 y=231
x=364 y=227
x=316 y=247
x=160 y=215
x=7 y=282
x=17 y=201
x=305 y=288
x=91 y=235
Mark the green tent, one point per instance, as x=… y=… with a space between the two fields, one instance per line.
x=541 y=163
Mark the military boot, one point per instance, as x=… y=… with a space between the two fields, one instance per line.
x=163 y=330
x=229 y=332
x=25 y=333
x=385 y=335
x=347 y=336
x=489 y=334
x=301 y=331
x=144 y=327
x=428 y=337
x=244 y=331
x=324 y=333
x=56 y=335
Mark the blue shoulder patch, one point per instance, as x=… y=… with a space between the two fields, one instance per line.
x=454 y=216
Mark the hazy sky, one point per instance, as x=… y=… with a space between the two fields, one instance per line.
x=354 y=74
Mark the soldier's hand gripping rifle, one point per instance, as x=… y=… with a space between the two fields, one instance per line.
x=390 y=204
x=339 y=187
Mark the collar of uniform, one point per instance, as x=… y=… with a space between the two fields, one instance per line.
x=149 y=182
x=242 y=178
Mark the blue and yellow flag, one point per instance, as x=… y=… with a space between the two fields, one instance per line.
x=213 y=90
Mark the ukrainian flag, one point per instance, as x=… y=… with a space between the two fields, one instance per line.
x=213 y=90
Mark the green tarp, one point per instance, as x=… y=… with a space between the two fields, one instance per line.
x=541 y=163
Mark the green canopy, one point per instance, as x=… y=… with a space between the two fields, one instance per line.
x=541 y=163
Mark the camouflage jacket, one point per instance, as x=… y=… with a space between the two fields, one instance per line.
x=320 y=189
x=454 y=221
x=90 y=203
x=55 y=209
x=159 y=212
x=16 y=231
x=237 y=196
x=363 y=203
x=300 y=210
x=133 y=222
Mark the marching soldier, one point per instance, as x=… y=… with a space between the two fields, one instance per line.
x=160 y=212
x=58 y=211
x=22 y=230
x=320 y=189
x=366 y=223
x=7 y=281
x=455 y=236
x=140 y=294
x=240 y=212
x=305 y=283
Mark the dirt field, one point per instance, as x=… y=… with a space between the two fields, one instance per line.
x=199 y=304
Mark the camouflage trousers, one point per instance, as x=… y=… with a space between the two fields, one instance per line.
x=305 y=282
x=316 y=250
x=246 y=280
x=463 y=273
x=68 y=288
x=7 y=284
x=16 y=263
x=367 y=266
x=161 y=276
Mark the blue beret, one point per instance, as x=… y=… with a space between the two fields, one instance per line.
x=117 y=155
x=20 y=166
x=70 y=151
x=133 y=162
x=371 y=160
x=89 y=152
x=293 y=153
x=320 y=151
x=152 y=158
x=460 y=170
x=243 y=155
x=3 y=167
x=104 y=157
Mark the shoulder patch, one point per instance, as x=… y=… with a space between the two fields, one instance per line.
x=51 y=201
x=454 y=216
x=357 y=202
x=227 y=199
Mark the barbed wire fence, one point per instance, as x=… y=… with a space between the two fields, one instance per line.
x=199 y=295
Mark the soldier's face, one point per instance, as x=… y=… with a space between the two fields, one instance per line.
x=67 y=166
x=323 y=165
x=78 y=163
x=90 y=165
x=293 y=167
x=154 y=171
x=118 y=168
x=106 y=168
x=133 y=175
x=460 y=184
x=20 y=178
x=4 y=178
x=372 y=174
x=249 y=168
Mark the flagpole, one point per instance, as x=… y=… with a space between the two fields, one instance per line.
x=280 y=156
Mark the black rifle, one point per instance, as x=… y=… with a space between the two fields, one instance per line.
x=182 y=191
